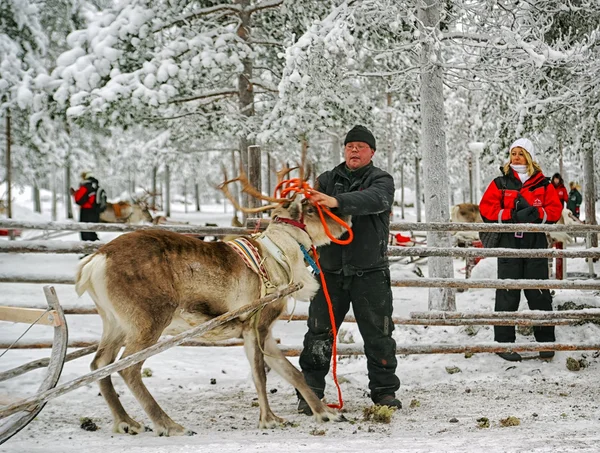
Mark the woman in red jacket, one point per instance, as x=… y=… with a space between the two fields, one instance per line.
x=561 y=190
x=522 y=195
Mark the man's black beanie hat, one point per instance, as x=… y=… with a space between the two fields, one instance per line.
x=360 y=134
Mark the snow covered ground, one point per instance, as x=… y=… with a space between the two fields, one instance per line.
x=558 y=409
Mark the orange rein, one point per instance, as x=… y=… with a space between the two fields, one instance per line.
x=297 y=185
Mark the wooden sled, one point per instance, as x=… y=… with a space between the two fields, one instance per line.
x=54 y=316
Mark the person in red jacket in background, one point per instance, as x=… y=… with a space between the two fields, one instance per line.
x=561 y=190
x=522 y=195
x=85 y=197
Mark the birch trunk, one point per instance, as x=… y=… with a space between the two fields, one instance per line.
x=154 y=188
x=402 y=189
x=167 y=200
x=246 y=103
x=67 y=188
x=418 y=188
x=433 y=143
x=589 y=196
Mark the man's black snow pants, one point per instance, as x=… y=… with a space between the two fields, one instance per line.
x=537 y=299
x=372 y=302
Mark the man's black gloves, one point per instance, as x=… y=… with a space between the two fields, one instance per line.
x=526 y=215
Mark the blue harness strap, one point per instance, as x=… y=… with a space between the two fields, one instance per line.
x=308 y=258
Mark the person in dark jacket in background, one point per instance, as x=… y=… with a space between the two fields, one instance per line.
x=85 y=197
x=522 y=195
x=561 y=190
x=575 y=198
x=356 y=273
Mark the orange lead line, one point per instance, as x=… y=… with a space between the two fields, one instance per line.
x=297 y=185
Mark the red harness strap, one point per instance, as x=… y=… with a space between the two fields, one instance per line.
x=292 y=222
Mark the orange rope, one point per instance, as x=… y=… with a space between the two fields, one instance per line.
x=296 y=185
x=340 y=404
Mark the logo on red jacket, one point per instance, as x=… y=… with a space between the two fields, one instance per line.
x=537 y=203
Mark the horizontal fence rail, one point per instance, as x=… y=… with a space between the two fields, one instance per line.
x=439 y=226
x=441 y=348
x=120 y=227
x=41 y=344
x=586 y=313
x=474 y=252
x=499 y=227
x=495 y=283
x=425 y=316
x=254 y=224
x=63 y=247
x=406 y=283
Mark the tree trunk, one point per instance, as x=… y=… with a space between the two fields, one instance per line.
x=589 y=196
x=254 y=166
x=246 y=104
x=561 y=168
x=167 y=200
x=37 y=203
x=270 y=187
x=185 y=202
x=8 y=173
x=197 y=196
x=154 y=193
x=67 y=186
x=418 y=188
x=471 y=185
x=55 y=195
x=335 y=152
x=402 y=189
x=433 y=144
x=390 y=151
x=236 y=194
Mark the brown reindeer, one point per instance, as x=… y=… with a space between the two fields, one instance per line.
x=152 y=282
x=469 y=213
x=125 y=212
x=465 y=213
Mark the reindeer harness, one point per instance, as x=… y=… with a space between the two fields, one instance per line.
x=251 y=256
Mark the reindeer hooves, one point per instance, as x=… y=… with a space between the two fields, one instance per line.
x=129 y=426
x=330 y=417
x=173 y=430
x=271 y=422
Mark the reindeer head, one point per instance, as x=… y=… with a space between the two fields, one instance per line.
x=305 y=215
x=288 y=204
x=315 y=228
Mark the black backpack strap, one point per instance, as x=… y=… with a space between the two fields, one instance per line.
x=543 y=183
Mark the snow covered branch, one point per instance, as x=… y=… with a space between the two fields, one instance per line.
x=217 y=93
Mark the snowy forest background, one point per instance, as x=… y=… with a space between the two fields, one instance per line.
x=143 y=90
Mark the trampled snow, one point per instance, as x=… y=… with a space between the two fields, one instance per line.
x=558 y=409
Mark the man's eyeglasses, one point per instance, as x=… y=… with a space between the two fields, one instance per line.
x=361 y=147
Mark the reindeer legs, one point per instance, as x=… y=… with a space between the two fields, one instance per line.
x=163 y=424
x=255 y=355
x=107 y=352
x=278 y=361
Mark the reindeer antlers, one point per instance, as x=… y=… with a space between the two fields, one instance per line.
x=284 y=186
x=250 y=190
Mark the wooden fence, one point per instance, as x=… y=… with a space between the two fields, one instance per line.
x=28 y=405
x=257 y=224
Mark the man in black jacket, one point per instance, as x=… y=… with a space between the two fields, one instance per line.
x=356 y=273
